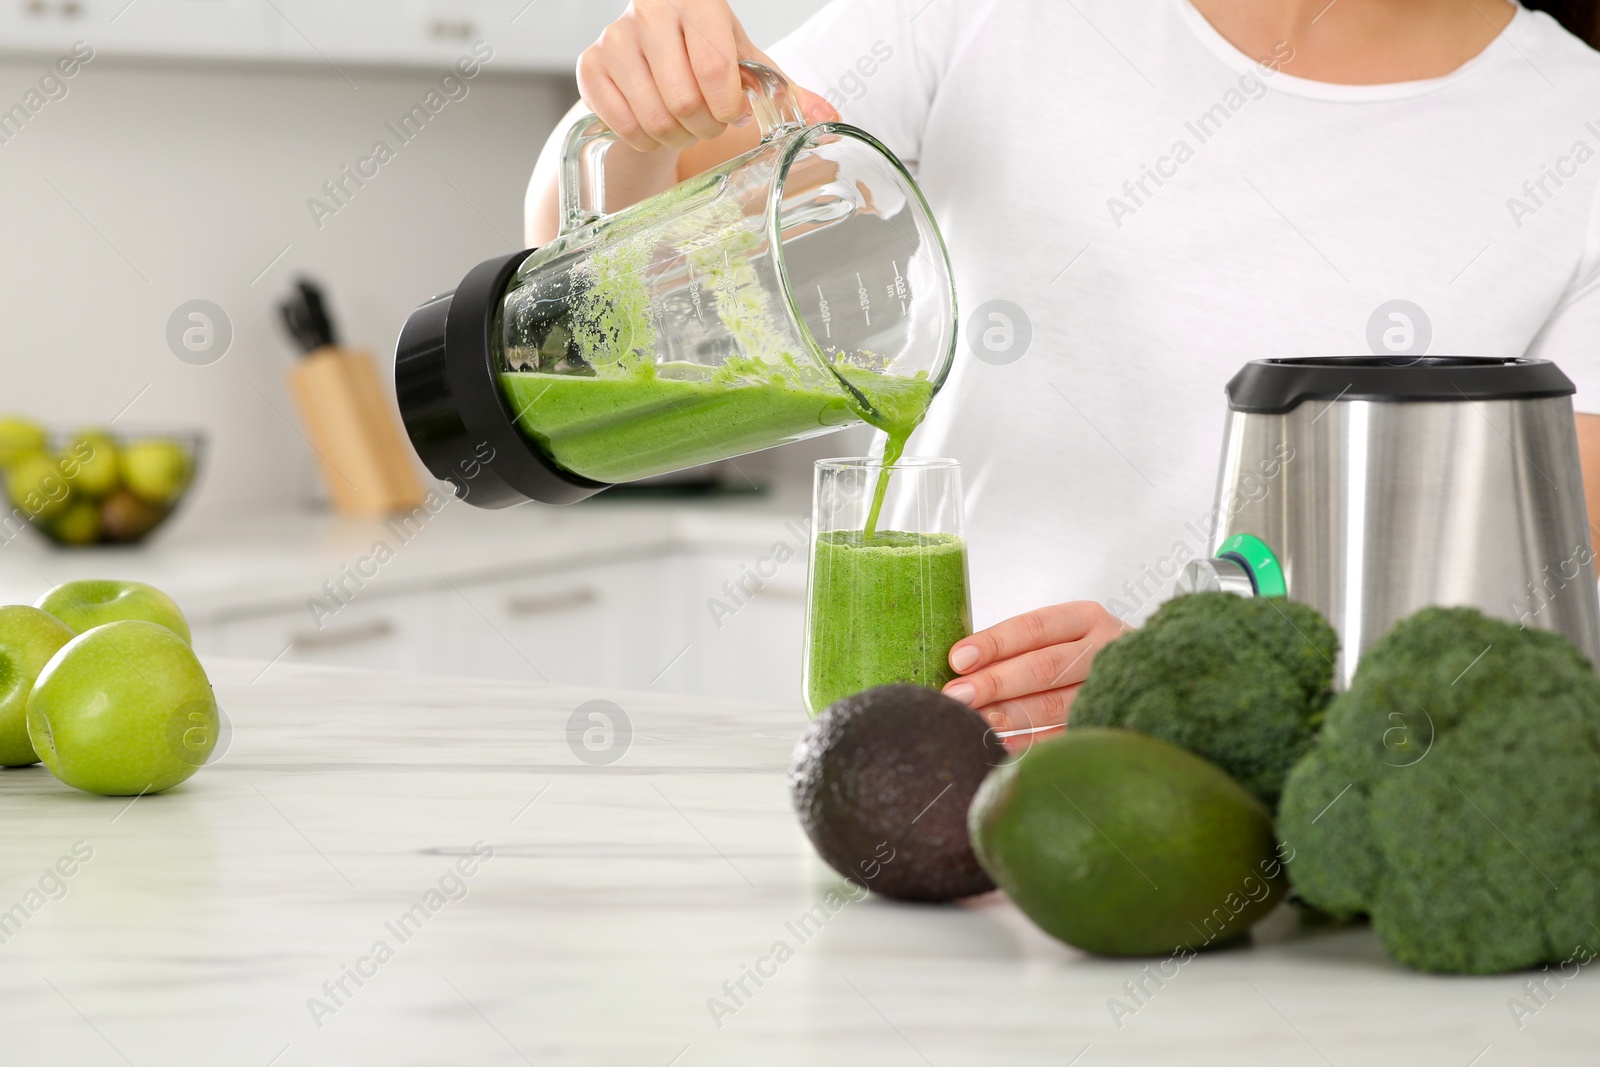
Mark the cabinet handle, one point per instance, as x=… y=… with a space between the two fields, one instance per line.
x=451 y=30
x=316 y=640
x=550 y=603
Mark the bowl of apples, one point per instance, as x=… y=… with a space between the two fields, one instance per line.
x=94 y=486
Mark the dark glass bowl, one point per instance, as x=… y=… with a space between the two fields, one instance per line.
x=100 y=487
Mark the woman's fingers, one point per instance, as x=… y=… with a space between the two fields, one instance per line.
x=666 y=74
x=815 y=108
x=713 y=49
x=1024 y=673
x=1036 y=629
x=631 y=71
x=1036 y=672
x=601 y=95
x=666 y=52
x=644 y=123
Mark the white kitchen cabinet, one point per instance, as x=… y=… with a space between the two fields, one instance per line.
x=185 y=27
x=139 y=27
x=607 y=624
x=400 y=633
x=745 y=645
x=544 y=35
x=644 y=623
x=599 y=625
x=52 y=25
x=641 y=624
x=634 y=596
x=526 y=35
x=420 y=32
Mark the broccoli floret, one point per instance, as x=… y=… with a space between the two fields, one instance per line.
x=1241 y=681
x=1454 y=797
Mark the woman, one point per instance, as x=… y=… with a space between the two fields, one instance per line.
x=1161 y=190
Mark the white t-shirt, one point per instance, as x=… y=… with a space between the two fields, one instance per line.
x=1163 y=209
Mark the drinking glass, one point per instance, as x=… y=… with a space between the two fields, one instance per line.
x=886 y=607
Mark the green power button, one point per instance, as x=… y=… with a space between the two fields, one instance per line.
x=1256 y=558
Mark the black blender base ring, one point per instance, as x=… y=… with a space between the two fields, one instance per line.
x=454 y=410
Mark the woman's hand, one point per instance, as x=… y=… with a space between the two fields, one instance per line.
x=663 y=76
x=1024 y=673
x=666 y=74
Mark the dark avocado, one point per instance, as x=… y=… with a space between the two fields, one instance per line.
x=881 y=782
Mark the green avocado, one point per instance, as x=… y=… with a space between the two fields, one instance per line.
x=881 y=782
x=1122 y=844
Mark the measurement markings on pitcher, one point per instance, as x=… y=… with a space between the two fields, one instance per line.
x=864 y=297
x=822 y=309
x=694 y=294
x=725 y=285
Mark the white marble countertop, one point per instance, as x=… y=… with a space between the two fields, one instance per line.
x=256 y=563
x=618 y=901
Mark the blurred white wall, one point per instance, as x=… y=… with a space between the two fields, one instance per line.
x=155 y=182
x=147 y=186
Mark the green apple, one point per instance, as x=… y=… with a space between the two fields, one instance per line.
x=93 y=602
x=19 y=437
x=36 y=485
x=156 y=470
x=79 y=524
x=90 y=464
x=122 y=710
x=28 y=638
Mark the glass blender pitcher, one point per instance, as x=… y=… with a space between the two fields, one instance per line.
x=797 y=289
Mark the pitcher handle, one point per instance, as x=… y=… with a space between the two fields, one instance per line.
x=772 y=102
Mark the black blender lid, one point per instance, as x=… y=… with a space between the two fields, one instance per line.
x=1274 y=386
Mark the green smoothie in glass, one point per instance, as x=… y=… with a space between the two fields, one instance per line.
x=884 y=610
x=884 y=606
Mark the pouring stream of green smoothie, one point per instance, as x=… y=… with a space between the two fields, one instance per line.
x=893 y=448
x=897 y=413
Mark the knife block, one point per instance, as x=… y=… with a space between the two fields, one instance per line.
x=365 y=462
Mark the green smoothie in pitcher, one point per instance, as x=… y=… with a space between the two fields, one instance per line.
x=583 y=380
x=883 y=610
x=591 y=375
x=656 y=418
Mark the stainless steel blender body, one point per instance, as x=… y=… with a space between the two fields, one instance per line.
x=1454 y=483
